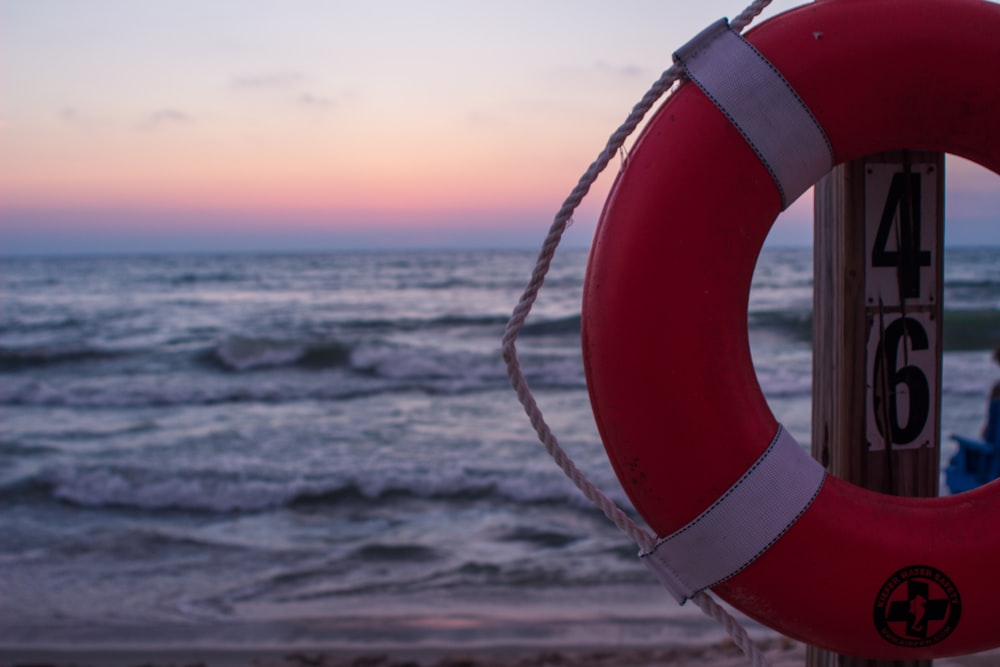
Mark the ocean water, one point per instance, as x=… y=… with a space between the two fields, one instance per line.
x=323 y=449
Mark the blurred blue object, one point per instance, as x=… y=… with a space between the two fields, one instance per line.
x=977 y=461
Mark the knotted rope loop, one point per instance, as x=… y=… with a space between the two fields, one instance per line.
x=563 y=217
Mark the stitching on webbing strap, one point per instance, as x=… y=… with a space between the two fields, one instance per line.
x=742 y=524
x=761 y=104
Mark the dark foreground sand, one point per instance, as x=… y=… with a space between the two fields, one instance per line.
x=782 y=653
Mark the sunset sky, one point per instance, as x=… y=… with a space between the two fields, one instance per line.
x=305 y=124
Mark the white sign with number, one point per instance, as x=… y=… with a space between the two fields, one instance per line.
x=902 y=372
x=901 y=292
x=900 y=219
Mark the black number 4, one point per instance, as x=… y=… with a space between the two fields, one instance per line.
x=904 y=196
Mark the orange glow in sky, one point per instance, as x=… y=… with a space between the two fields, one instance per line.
x=330 y=115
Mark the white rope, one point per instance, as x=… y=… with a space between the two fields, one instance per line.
x=746 y=17
x=637 y=533
x=732 y=627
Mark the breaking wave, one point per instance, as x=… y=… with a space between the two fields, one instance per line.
x=240 y=353
x=133 y=486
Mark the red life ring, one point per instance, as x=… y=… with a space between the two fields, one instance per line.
x=665 y=342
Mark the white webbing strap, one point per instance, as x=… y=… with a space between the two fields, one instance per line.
x=762 y=105
x=740 y=525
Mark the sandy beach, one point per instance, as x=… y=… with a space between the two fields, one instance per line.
x=781 y=653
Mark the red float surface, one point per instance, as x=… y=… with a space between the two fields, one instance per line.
x=665 y=328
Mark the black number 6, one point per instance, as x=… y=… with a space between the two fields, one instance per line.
x=887 y=378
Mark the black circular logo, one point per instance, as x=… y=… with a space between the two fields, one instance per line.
x=918 y=606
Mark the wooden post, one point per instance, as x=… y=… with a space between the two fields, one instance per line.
x=878 y=280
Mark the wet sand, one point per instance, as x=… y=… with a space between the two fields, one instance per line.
x=781 y=653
